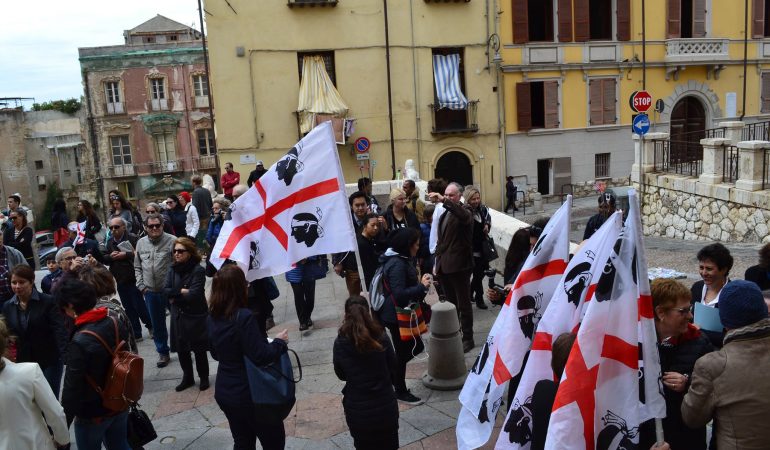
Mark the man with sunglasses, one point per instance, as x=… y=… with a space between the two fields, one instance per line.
x=120 y=256
x=152 y=261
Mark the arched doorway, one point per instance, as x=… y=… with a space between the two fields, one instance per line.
x=455 y=166
x=688 y=127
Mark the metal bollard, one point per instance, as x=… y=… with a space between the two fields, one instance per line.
x=446 y=362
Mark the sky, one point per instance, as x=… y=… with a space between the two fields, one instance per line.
x=39 y=40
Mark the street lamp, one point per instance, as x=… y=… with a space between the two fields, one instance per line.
x=493 y=43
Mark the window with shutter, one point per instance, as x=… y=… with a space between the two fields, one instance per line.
x=582 y=31
x=565 y=20
x=765 y=108
x=674 y=21
x=520 y=21
x=698 y=18
x=609 y=101
x=758 y=18
x=600 y=19
x=523 y=106
x=551 y=104
x=595 y=102
x=602 y=101
x=540 y=20
x=624 y=20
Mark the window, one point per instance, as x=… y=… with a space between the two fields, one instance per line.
x=200 y=85
x=446 y=117
x=686 y=19
x=765 y=95
x=540 y=18
x=602 y=101
x=533 y=20
x=206 y=144
x=537 y=104
x=328 y=62
x=595 y=20
x=158 y=94
x=112 y=94
x=760 y=18
x=121 y=151
x=127 y=189
x=165 y=146
x=173 y=37
x=39 y=165
x=602 y=165
x=148 y=39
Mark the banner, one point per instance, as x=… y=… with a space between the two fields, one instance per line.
x=297 y=209
x=509 y=339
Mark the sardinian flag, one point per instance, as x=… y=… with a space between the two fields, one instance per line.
x=509 y=339
x=80 y=229
x=563 y=315
x=295 y=210
x=598 y=405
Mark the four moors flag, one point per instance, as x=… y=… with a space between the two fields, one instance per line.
x=603 y=396
x=509 y=339
x=295 y=210
x=563 y=315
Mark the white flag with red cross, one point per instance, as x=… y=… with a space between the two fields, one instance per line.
x=502 y=354
x=297 y=209
x=563 y=315
x=603 y=396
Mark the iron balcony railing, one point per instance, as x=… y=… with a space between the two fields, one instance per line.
x=684 y=160
x=759 y=131
x=730 y=164
x=455 y=121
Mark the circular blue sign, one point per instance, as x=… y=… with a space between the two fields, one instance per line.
x=362 y=145
x=641 y=124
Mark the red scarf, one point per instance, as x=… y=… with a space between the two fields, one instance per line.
x=91 y=316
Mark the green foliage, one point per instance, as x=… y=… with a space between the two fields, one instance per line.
x=53 y=193
x=70 y=106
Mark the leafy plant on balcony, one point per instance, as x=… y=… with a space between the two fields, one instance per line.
x=70 y=106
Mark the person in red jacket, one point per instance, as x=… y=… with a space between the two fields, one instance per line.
x=229 y=180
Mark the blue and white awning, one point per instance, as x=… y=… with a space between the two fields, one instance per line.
x=446 y=72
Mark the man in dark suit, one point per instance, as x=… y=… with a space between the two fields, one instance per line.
x=454 y=256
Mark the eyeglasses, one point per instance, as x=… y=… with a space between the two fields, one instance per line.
x=115 y=227
x=683 y=311
x=180 y=250
x=168 y=202
x=150 y=211
x=114 y=197
x=154 y=226
x=70 y=258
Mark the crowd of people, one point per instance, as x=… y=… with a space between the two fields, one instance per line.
x=112 y=283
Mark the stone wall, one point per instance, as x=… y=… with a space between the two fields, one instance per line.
x=674 y=208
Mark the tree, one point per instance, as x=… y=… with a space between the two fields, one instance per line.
x=70 y=106
x=53 y=193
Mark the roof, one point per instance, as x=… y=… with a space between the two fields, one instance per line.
x=159 y=24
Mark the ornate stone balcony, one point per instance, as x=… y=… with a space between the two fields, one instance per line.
x=696 y=50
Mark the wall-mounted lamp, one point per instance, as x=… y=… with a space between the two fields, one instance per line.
x=493 y=43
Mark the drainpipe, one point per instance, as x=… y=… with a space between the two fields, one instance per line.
x=745 y=53
x=94 y=145
x=390 y=96
x=208 y=83
x=416 y=81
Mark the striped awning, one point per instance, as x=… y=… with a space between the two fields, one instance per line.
x=446 y=72
x=317 y=94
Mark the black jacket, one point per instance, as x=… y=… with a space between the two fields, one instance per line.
x=542 y=403
x=594 y=223
x=88 y=247
x=121 y=269
x=93 y=225
x=201 y=199
x=178 y=220
x=401 y=287
x=759 y=275
x=368 y=397
x=188 y=311
x=86 y=356
x=679 y=356
x=255 y=175
x=409 y=217
x=229 y=341
x=370 y=251
x=22 y=243
x=44 y=339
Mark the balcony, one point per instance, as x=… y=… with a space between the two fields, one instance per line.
x=125 y=170
x=455 y=121
x=205 y=162
x=311 y=3
x=165 y=166
x=696 y=50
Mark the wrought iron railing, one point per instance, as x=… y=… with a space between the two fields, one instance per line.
x=293 y=3
x=766 y=169
x=683 y=160
x=448 y=121
x=759 y=131
x=730 y=164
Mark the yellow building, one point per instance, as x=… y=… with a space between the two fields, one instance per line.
x=570 y=67
x=380 y=78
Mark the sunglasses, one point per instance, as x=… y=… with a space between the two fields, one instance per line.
x=180 y=250
x=114 y=197
x=154 y=226
x=115 y=227
x=150 y=211
x=169 y=201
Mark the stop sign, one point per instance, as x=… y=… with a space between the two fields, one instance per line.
x=640 y=101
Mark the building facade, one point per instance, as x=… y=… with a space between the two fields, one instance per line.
x=148 y=116
x=376 y=65
x=570 y=67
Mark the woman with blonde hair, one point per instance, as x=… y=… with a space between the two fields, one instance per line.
x=28 y=408
x=398 y=214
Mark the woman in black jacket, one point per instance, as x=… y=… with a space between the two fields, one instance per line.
x=398 y=215
x=482 y=223
x=364 y=359
x=760 y=274
x=184 y=289
x=234 y=334
x=403 y=288
x=20 y=235
x=87 y=214
x=176 y=216
x=38 y=325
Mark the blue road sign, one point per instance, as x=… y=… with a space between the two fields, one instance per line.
x=641 y=124
x=362 y=145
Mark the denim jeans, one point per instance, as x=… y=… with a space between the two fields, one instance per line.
x=53 y=374
x=112 y=431
x=157 y=305
x=136 y=309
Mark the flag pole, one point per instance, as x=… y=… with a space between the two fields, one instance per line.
x=658 y=432
x=361 y=277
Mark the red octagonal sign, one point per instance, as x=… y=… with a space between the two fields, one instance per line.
x=640 y=101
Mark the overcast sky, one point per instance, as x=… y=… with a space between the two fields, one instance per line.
x=39 y=39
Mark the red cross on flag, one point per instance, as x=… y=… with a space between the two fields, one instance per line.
x=603 y=396
x=80 y=229
x=509 y=339
x=563 y=315
x=295 y=210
